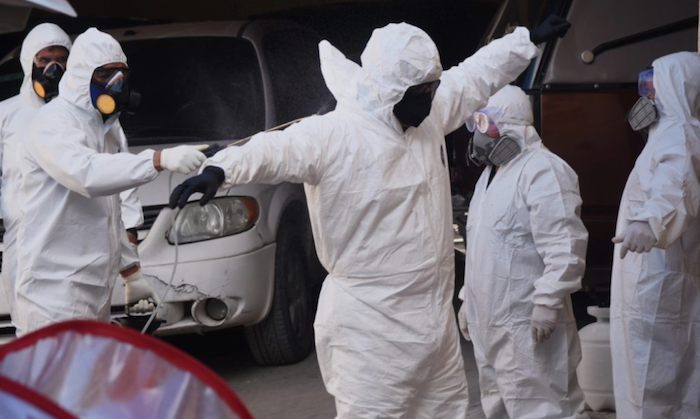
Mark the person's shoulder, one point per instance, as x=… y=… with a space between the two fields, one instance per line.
x=57 y=112
x=545 y=164
x=52 y=120
x=671 y=138
x=543 y=158
x=10 y=101
x=671 y=131
x=9 y=105
x=323 y=126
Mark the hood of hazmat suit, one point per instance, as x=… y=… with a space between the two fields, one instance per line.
x=526 y=245
x=655 y=302
x=380 y=207
x=15 y=115
x=71 y=236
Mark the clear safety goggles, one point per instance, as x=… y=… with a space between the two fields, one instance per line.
x=52 y=70
x=429 y=87
x=484 y=121
x=41 y=62
x=109 y=76
x=645 y=86
x=116 y=82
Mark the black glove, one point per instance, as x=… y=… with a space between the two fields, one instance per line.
x=551 y=27
x=207 y=183
x=213 y=149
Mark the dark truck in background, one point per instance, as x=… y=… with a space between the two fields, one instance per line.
x=582 y=87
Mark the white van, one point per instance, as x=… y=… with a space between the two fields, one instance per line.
x=247 y=258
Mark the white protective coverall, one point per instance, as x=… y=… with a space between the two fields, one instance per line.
x=655 y=299
x=15 y=115
x=380 y=207
x=526 y=245
x=71 y=237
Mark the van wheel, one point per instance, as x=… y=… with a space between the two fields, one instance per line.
x=286 y=336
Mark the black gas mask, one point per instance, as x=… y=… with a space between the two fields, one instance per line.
x=110 y=92
x=45 y=80
x=644 y=112
x=494 y=151
x=415 y=105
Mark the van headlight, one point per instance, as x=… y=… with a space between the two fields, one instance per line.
x=219 y=218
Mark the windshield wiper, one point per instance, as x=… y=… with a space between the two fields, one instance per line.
x=588 y=56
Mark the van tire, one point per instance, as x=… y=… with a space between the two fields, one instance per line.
x=286 y=335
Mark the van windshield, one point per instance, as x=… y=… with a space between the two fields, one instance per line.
x=194 y=89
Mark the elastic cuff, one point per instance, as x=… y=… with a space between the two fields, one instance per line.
x=136 y=275
x=547 y=301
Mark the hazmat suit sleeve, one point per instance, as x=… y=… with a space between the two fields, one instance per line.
x=295 y=155
x=674 y=190
x=5 y=107
x=2 y=141
x=132 y=210
x=554 y=205
x=466 y=88
x=64 y=151
x=129 y=254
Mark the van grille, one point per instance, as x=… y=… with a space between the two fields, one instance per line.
x=150 y=214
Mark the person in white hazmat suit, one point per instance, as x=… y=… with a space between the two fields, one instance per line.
x=71 y=242
x=526 y=250
x=378 y=191
x=655 y=294
x=43 y=58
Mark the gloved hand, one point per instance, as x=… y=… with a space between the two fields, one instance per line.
x=207 y=183
x=637 y=237
x=138 y=290
x=462 y=320
x=544 y=321
x=182 y=159
x=551 y=27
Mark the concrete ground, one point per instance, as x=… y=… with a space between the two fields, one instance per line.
x=291 y=391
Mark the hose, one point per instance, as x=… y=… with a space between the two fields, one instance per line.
x=173 y=216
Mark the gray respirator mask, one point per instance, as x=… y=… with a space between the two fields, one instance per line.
x=643 y=114
x=494 y=151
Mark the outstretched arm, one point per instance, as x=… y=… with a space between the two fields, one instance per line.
x=467 y=87
x=65 y=153
x=294 y=155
